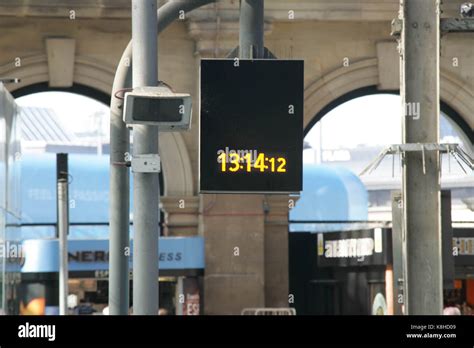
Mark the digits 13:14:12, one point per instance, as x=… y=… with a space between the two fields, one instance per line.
x=244 y=163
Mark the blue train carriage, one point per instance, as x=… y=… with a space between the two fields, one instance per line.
x=11 y=255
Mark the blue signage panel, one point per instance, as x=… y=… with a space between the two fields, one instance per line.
x=175 y=253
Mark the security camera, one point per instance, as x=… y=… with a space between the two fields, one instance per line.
x=158 y=106
x=467 y=10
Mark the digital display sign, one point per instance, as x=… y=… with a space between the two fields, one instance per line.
x=157 y=110
x=251 y=129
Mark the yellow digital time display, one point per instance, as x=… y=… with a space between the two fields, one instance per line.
x=251 y=126
x=233 y=162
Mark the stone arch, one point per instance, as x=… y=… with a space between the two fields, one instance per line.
x=177 y=170
x=324 y=90
x=364 y=74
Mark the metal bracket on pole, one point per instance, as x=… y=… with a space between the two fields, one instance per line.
x=452 y=149
x=423 y=158
x=457 y=25
x=267 y=54
x=447 y=25
x=397 y=26
x=10 y=80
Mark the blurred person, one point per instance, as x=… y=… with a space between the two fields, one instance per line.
x=451 y=309
x=163 y=311
x=84 y=308
x=466 y=309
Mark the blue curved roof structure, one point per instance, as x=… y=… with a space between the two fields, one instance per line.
x=88 y=190
x=329 y=194
x=88 y=195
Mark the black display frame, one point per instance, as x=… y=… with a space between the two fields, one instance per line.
x=263 y=104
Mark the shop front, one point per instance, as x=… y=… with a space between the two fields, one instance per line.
x=181 y=266
x=461 y=294
x=341 y=272
x=351 y=272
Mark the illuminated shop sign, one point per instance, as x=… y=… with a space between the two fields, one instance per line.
x=463 y=246
x=175 y=253
x=354 y=248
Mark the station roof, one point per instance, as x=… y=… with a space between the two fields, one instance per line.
x=330 y=195
x=43 y=125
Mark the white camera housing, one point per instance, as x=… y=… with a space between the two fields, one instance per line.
x=158 y=106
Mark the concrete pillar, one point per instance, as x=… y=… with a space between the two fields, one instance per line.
x=233 y=228
x=276 y=251
x=421 y=175
x=182 y=215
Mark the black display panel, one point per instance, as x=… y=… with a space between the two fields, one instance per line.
x=157 y=109
x=251 y=131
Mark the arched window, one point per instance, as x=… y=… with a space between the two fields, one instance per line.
x=352 y=132
x=76 y=121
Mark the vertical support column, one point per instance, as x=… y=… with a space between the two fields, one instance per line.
x=63 y=228
x=179 y=294
x=251 y=29
x=119 y=210
x=276 y=250
x=234 y=233
x=251 y=46
x=397 y=252
x=447 y=238
x=119 y=206
x=235 y=265
x=421 y=174
x=146 y=190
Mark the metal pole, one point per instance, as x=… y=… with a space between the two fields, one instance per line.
x=63 y=228
x=179 y=293
x=397 y=253
x=119 y=205
x=449 y=273
x=251 y=29
x=146 y=189
x=421 y=172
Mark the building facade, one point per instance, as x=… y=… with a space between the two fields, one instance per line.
x=346 y=46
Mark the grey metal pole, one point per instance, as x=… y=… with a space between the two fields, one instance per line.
x=397 y=252
x=251 y=29
x=119 y=206
x=178 y=294
x=421 y=172
x=146 y=190
x=449 y=273
x=63 y=229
